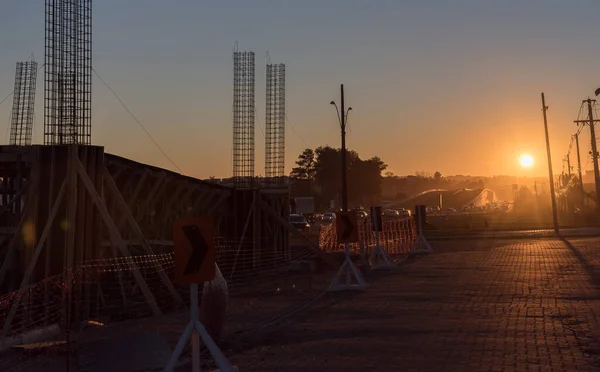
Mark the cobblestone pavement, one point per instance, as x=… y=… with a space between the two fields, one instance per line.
x=529 y=305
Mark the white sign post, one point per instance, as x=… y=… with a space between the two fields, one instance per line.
x=421 y=245
x=379 y=257
x=196 y=330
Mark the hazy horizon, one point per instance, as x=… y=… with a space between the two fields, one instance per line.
x=434 y=86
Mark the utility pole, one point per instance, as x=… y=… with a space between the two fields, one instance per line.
x=343 y=127
x=594 y=152
x=590 y=121
x=579 y=168
x=550 y=175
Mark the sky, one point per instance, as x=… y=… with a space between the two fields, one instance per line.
x=449 y=86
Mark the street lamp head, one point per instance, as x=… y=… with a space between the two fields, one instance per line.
x=597 y=92
x=332 y=103
x=349 y=108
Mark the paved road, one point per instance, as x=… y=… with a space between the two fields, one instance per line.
x=502 y=234
x=478 y=305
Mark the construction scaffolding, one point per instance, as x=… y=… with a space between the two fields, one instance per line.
x=21 y=125
x=243 y=119
x=68 y=72
x=275 y=125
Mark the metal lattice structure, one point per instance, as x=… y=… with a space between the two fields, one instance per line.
x=68 y=72
x=275 y=124
x=243 y=118
x=21 y=125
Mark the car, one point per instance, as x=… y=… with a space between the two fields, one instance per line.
x=404 y=212
x=391 y=213
x=328 y=217
x=449 y=211
x=361 y=214
x=299 y=221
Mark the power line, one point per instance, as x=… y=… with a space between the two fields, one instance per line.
x=137 y=121
x=294 y=130
x=7 y=97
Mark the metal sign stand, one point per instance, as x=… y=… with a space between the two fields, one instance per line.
x=347 y=271
x=196 y=330
x=379 y=257
x=421 y=245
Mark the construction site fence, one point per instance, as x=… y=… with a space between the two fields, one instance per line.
x=396 y=237
x=263 y=283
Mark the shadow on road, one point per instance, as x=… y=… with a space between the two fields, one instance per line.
x=589 y=268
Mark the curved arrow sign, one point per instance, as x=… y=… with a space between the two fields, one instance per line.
x=346 y=227
x=193 y=243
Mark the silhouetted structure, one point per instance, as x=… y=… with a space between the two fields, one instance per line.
x=68 y=72
x=243 y=118
x=275 y=124
x=21 y=125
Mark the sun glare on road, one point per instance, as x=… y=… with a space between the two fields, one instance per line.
x=526 y=161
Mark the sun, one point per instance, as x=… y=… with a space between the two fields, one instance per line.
x=526 y=161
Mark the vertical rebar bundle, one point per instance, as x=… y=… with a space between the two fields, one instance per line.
x=21 y=125
x=275 y=125
x=243 y=119
x=68 y=72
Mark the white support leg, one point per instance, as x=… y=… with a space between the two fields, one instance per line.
x=348 y=271
x=379 y=257
x=196 y=331
x=421 y=246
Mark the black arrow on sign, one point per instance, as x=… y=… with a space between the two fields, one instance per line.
x=199 y=249
x=348 y=228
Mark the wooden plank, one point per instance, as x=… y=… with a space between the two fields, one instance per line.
x=213 y=208
x=12 y=246
x=200 y=199
x=69 y=251
x=91 y=234
x=116 y=238
x=158 y=184
x=166 y=243
x=168 y=212
x=140 y=235
x=36 y=255
x=48 y=263
x=121 y=219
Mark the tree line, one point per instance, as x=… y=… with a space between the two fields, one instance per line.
x=318 y=173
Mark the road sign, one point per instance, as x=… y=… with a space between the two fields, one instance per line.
x=194 y=246
x=346 y=226
x=376 y=222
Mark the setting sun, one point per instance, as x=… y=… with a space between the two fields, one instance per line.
x=526 y=161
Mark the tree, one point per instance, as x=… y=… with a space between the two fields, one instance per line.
x=305 y=166
x=437 y=176
x=389 y=174
x=319 y=173
x=365 y=180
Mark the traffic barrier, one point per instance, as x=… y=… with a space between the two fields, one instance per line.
x=396 y=238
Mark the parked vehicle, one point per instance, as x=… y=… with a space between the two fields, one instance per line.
x=449 y=211
x=391 y=213
x=404 y=212
x=328 y=217
x=299 y=221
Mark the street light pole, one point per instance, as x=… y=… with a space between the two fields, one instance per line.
x=343 y=118
x=344 y=168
